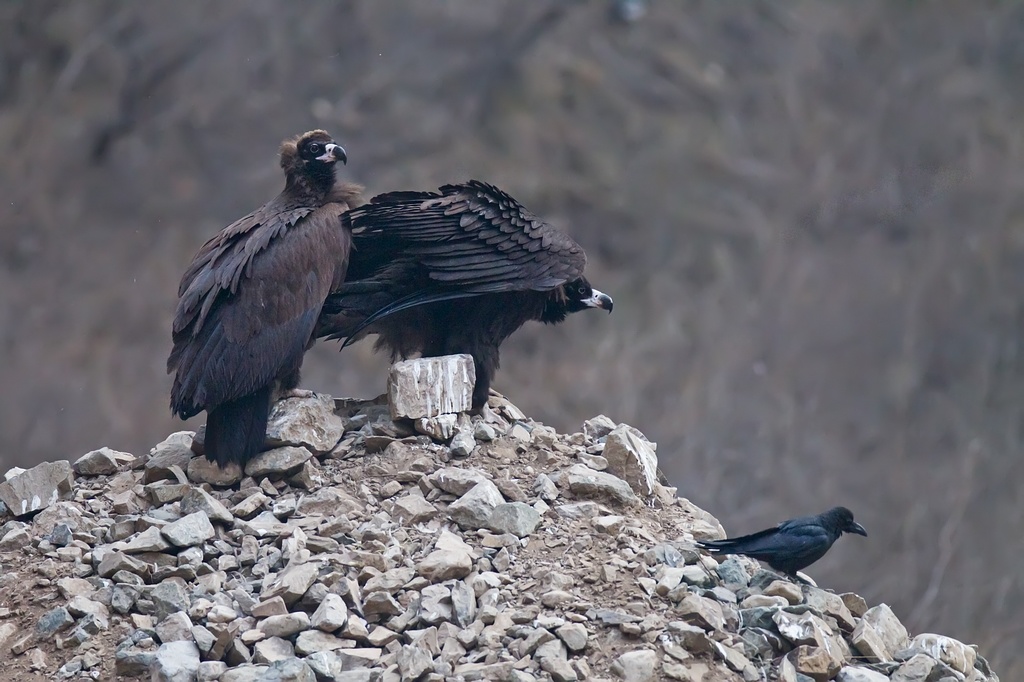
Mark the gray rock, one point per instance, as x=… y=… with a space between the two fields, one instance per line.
x=305 y=422
x=263 y=525
x=381 y=604
x=177 y=627
x=331 y=615
x=37 y=488
x=953 y=653
x=168 y=597
x=858 y=674
x=285 y=625
x=245 y=673
x=289 y=670
x=441 y=565
x=189 y=531
x=829 y=604
x=636 y=666
x=632 y=459
x=701 y=611
x=879 y=634
x=814 y=662
x=113 y=562
x=175 y=662
x=463 y=443
x=175 y=450
x=272 y=649
x=102 y=462
x=553 y=659
x=457 y=481
x=313 y=641
x=441 y=428
x=198 y=500
x=733 y=574
x=132 y=662
x=202 y=470
x=412 y=509
x=435 y=604
x=54 y=621
x=327 y=501
x=291 y=583
x=427 y=387
x=149 y=540
x=203 y=638
x=327 y=665
x=15 y=539
x=514 y=517
x=473 y=510
x=463 y=603
x=598 y=427
x=597 y=485
x=574 y=635
x=210 y=671
x=413 y=661
x=279 y=461
x=483 y=431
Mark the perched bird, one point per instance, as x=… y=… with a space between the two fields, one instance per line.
x=792 y=545
x=457 y=271
x=250 y=299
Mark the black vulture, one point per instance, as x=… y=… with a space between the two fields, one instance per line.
x=456 y=271
x=792 y=545
x=249 y=301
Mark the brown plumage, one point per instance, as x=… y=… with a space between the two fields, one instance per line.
x=457 y=271
x=250 y=299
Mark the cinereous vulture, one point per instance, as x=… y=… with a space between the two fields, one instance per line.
x=249 y=301
x=457 y=271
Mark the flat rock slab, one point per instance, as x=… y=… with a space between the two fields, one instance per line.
x=37 y=488
x=428 y=387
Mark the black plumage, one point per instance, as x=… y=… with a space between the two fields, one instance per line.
x=456 y=271
x=250 y=299
x=792 y=545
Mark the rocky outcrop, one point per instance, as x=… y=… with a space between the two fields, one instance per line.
x=361 y=549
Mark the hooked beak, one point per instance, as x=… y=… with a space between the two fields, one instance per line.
x=598 y=300
x=333 y=152
x=856 y=528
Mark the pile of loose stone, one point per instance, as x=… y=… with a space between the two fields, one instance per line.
x=368 y=547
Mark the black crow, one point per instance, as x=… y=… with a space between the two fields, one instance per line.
x=250 y=299
x=792 y=545
x=457 y=271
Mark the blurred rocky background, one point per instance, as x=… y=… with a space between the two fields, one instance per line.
x=810 y=215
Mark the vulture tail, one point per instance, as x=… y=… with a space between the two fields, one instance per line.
x=410 y=301
x=235 y=431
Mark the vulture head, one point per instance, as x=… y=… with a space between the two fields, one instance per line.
x=310 y=157
x=573 y=297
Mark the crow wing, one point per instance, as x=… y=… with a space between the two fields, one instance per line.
x=775 y=542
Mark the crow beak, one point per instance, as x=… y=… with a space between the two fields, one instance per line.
x=857 y=528
x=333 y=152
x=598 y=300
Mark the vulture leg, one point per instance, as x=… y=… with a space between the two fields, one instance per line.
x=486 y=362
x=235 y=430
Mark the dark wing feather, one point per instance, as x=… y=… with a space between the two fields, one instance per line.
x=249 y=303
x=787 y=549
x=472 y=237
